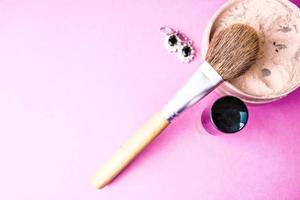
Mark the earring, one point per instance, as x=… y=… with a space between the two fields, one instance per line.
x=178 y=43
x=172 y=39
x=186 y=52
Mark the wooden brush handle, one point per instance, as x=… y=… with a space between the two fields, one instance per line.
x=140 y=140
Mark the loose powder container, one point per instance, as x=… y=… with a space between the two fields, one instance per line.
x=277 y=70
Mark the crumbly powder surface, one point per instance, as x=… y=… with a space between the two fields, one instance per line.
x=277 y=69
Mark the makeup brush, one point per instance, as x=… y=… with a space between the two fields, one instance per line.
x=231 y=52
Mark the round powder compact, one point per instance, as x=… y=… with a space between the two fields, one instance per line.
x=277 y=70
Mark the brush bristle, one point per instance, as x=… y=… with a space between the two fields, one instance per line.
x=233 y=50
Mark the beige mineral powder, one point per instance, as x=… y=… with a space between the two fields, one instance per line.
x=277 y=69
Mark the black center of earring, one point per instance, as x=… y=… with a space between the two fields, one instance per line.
x=172 y=40
x=186 y=51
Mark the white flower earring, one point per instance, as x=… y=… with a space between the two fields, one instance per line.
x=178 y=43
x=186 y=52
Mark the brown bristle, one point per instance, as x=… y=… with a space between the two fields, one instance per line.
x=233 y=50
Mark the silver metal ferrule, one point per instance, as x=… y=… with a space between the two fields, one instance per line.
x=202 y=82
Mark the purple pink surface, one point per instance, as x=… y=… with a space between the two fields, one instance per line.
x=78 y=77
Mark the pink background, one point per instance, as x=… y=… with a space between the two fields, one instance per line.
x=78 y=77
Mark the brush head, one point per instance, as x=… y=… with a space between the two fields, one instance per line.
x=233 y=50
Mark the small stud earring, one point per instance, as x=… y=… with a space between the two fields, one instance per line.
x=172 y=39
x=186 y=52
x=178 y=43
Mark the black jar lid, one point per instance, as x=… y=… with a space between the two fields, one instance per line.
x=229 y=114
